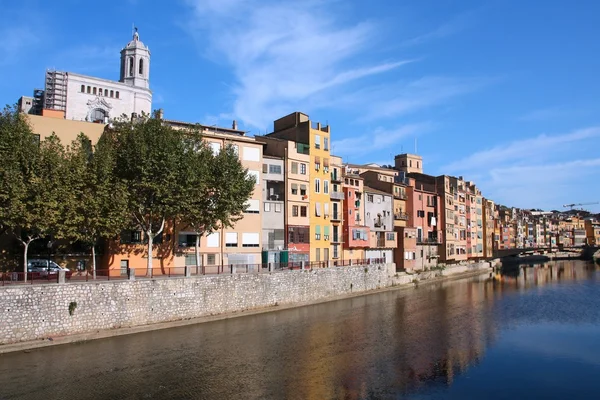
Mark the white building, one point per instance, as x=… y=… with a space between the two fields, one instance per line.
x=86 y=98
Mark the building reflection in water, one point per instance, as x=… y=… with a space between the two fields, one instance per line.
x=377 y=346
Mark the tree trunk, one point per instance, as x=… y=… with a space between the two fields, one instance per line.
x=151 y=237
x=94 y=260
x=197 y=251
x=26 y=248
x=149 y=250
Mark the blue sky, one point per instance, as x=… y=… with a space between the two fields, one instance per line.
x=504 y=93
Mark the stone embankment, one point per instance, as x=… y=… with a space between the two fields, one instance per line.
x=36 y=313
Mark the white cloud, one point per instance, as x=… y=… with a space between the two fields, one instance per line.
x=552 y=113
x=446 y=29
x=377 y=141
x=546 y=186
x=540 y=172
x=542 y=146
x=399 y=99
x=283 y=52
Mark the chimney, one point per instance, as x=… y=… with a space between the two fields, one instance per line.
x=234 y=125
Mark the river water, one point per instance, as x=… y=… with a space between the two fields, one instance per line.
x=533 y=332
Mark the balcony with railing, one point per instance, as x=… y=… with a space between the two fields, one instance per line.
x=336 y=216
x=401 y=216
x=336 y=195
x=400 y=196
x=303 y=148
x=428 y=240
x=336 y=178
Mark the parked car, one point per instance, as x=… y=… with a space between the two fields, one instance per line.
x=39 y=268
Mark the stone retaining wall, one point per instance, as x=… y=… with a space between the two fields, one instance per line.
x=42 y=311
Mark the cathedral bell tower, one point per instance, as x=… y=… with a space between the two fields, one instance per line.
x=135 y=63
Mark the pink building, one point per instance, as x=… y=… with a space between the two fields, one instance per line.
x=356 y=233
x=423 y=205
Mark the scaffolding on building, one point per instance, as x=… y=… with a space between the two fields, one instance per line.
x=56 y=90
x=38 y=102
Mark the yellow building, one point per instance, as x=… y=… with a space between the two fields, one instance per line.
x=313 y=139
x=488 y=228
x=67 y=130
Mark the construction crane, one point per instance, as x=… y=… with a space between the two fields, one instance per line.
x=572 y=206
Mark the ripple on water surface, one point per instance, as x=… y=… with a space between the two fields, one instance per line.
x=532 y=332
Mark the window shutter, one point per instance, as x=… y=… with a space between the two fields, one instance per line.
x=212 y=240
x=231 y=238
x=250 y=238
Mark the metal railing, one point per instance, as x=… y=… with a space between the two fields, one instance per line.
x=401 y=216
x=117 y=274
x=336 y=195
x=428 y=241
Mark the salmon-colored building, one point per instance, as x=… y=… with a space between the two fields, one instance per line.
x=356 y=233
x=175 y=248
x=423 y=208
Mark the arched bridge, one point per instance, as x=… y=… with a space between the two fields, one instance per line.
x=501 y=253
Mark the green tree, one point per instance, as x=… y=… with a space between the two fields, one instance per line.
x=42 y=208
x=96 y=203
x=218 y=189
x=33 y=181
x=19 y=151
x=148 y=157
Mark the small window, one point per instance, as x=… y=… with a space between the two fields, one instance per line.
x=99 y=91
x=325 y=143
x=326 y=187
x=267 y=207
x=317 y=141
x=303 y=211
x=294 y=167
x=94 y=91
x=82 y=88
x=130 y=66
x=141 y=70
x=294 y=211
x=89 y=90
x=112 y=93
x=277 y=207
x=302 y=190
x=106 y=92
x=274 y=169
x=117 y=94
x=294 y=188
x=303 y=169
x=317 y=186
x=211 y=259
x=265 y=168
